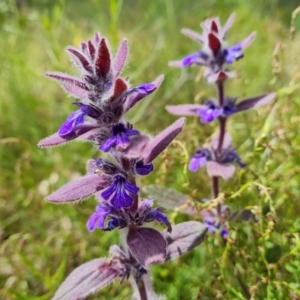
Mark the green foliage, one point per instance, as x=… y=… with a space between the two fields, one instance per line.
x=41 y=243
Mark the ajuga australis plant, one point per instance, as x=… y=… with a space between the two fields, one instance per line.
x=103 y=99
x=219 y=156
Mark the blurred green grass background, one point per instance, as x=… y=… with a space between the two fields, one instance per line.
x=40 y=243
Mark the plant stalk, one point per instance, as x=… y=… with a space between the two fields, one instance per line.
x=222 y=131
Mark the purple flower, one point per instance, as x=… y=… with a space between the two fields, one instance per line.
x=194 y=59
x=120 y=218
x=149 y=214
x=157 y=215
x=230 y=156
x=141 y=169
x=199 y=159
x=143 y=90
x=214 y=53
x=76 y=119
x=214 y=222
x=233 y=53
x=119 y=137
x=97 y=219
x=120 y=192
x=229 y=107
x=214 y=227
x=209 y=113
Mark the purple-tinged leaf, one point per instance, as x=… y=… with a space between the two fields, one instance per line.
x=91 y=166
x=88 y=136
x=97 y=39
x=255 y=102
x=162 y=141
x=227 y=25
x=92 y=50
x=175 y=64
x=52 y=140
x=214 y=43
x=83 y=46
x=192 y=34
x=183 y=238
x=214 y=26
x=119 y=89
x=79 y=59
x=120 y=58
x=71 y=84
x=88 y=279
x=80 y=188
x=207 y=24
x=102 y=63
x=170 y=199
x=136 y=146
x=147 y=245
x=220 y=170
x=248 y=41
x=56 y=139
x=184 y=109
x=219 y=76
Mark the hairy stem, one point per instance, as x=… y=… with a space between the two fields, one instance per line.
x=142 y=289
x=220 y=88
x=222 y=131
x=222 y=123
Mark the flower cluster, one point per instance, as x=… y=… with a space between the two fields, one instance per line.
x=219 y=156
x=103 y=98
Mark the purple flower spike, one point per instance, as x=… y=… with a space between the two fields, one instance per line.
x=209 y=113
x=121 y=191
x=199 y=160
x=233 y=53
x=119 y=138
x=142 y=169
x=97 y=219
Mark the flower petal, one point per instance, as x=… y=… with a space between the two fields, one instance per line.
x=140 y=92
